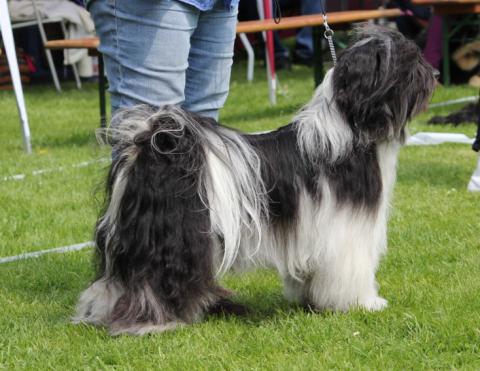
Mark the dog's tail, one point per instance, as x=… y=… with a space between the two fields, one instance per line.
x=176 y=183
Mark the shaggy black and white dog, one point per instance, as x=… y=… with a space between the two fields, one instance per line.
x=189 y=200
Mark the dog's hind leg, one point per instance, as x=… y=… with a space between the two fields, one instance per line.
x=161 y=249
x=106 y=303
x=155 y=237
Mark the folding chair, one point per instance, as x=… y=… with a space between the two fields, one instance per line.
x=39 y=22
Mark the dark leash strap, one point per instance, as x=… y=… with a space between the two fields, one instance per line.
x=277 y=12
x=328 y=34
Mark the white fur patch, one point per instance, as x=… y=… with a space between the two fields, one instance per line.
x=97 y=302
x=235 y=191
x=323 y=133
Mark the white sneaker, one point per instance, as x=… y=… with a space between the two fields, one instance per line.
x=474 y=185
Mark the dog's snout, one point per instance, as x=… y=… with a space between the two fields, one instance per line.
x=436 y=73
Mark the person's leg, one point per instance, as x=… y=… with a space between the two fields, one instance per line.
x=210 y=61
x=145 y=45
x=304 y=40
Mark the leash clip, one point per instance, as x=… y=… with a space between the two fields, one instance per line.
x=328 y=34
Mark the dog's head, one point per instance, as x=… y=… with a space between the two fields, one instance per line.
x=380 y=82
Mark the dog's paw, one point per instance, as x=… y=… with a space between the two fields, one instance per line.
x=374 y=304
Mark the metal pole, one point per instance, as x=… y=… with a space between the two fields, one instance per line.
x=317 y=55
x=270 y=52
x=101 y=91
x=7 y=36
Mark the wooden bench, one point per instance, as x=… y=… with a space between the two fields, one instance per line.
x=314 y=20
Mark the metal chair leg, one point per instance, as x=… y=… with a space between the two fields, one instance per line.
x=53 y=71
x=43 y=35
x=101 y=91
x=74 y=65
x=250 y=54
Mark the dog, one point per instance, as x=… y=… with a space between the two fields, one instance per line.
x=188 y=199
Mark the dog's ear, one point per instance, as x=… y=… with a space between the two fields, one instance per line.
x=361 y=86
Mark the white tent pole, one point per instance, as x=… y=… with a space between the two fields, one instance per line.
x=7 y=36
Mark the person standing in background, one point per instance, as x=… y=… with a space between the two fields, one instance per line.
x=303 y=53
x=160 y=52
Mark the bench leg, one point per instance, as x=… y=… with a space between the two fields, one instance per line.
x=48 y=53
x=101 y=92
x=250 y=54
x=318 y=71
x=476 y=143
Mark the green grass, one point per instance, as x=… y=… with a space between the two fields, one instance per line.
x=431 y=274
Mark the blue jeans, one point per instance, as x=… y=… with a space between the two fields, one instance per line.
x=166 y=52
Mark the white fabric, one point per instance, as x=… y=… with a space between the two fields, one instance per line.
x=78 y=20
x=423 y=138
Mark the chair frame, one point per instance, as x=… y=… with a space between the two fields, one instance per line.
x=39 y=22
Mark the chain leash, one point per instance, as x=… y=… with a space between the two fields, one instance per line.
x=328 y=34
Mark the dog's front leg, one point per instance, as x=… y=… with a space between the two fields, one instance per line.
x=345 y=275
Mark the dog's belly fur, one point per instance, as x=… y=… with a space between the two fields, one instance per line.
x=324 y=243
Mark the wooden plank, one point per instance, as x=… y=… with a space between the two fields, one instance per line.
x=86 y=43
x=444 y=2
x=316 y=20
x=258 y=25
x=451 y=7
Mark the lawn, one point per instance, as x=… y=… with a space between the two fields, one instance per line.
x=431 y=274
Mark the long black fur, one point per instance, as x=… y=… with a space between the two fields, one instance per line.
x=162 y=239
x=356 y=179
x=362 y=97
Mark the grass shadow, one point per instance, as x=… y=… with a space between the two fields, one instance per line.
x=57 y=280
x=268 y=307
